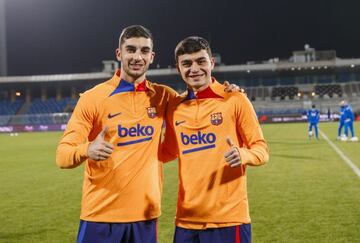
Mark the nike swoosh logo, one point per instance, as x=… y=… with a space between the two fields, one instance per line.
x=177 y=123
x=113 y=115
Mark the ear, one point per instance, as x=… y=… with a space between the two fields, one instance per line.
x=118 y=54
x=177 y=67
x=212 y=61
x=152 y=57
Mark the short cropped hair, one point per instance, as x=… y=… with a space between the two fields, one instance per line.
x=135 y=31
x=191 y=45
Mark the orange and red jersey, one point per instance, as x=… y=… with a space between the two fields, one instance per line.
x=127 y=186
x=211 y=193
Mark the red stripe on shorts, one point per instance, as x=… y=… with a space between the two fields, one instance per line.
x=237 y=234
x=156 y=229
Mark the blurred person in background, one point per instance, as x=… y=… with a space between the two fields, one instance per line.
x=349 y=122
x=341 y=119
x=313 y=116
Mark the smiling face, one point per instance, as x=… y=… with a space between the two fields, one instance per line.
x=195 y=69
x=135 y=55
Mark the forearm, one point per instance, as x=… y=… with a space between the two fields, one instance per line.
x=70 y=156
x=73 y=147
x=257 y=154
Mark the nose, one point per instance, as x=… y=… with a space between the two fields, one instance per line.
x=137 y=55
x=194 y=68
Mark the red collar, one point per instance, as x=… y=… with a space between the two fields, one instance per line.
x=203 y=94
x=141 y=86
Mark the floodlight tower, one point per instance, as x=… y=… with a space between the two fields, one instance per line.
x=3 y=51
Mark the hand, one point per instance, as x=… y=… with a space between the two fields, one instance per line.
x=232 y=156
x=99 y=149
x=232 y=88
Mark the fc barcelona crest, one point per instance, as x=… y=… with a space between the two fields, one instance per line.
x=151 y=111
x=216 y=119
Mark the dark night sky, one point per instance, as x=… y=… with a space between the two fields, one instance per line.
x=67 y=36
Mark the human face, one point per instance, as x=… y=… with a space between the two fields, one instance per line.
x=135 y=55
x=195 y=69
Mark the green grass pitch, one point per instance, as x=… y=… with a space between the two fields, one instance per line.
x=306 y=193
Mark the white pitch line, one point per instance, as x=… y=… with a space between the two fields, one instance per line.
x=341 y=154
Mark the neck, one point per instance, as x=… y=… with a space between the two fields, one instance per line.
x=198 y=89
x=201 y=88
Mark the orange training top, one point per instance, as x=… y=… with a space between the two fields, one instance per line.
x=211 y=193
x=127 y=186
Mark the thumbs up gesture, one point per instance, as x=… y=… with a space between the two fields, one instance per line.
x=99 y=149
x=232 y=156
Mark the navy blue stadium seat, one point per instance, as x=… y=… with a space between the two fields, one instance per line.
x=51 y=105
x=10 y=108
x=329 y=89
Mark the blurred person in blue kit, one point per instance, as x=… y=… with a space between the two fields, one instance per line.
x=341 y=119
x=348 y=122
x=313 y=116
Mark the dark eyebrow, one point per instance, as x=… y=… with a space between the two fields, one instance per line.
x=186 y=61
x=130 y=47
x=200 y=59
x=146 y=48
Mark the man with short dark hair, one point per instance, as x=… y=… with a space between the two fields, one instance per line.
x=217 y=137
x=122 y=183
